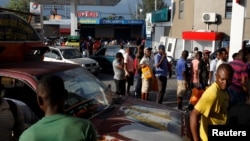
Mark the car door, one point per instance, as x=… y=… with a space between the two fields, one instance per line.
x=110 y=56
x=53 y=56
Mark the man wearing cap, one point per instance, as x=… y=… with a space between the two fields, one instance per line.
x=161 y=69
x=146 y=60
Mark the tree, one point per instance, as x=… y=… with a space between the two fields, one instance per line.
x=19 y=5
x=146 y=6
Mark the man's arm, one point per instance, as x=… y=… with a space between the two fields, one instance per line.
x=126 y=65
x=211 y=71
x=194 y=124
x=159 y=61
x=244 y=78
x=120 y=65
x=185 y=77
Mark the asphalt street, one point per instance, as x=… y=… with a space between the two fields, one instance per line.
x=169 y=97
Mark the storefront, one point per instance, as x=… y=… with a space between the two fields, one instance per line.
x=92 y=24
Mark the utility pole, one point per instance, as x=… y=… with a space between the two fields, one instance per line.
x=136 y=13
x=155 y=5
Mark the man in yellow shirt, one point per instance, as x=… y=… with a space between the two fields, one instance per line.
x=212 y=108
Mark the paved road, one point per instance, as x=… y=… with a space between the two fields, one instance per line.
x=169 y=97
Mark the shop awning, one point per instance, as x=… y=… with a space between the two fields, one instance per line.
x=72 y=44
x=65 y=31
x=197 y=35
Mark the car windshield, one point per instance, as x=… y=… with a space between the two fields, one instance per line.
x=85 y=92
x=71 y=53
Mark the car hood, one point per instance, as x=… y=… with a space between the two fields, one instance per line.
x=136 y=119
x=80 y=60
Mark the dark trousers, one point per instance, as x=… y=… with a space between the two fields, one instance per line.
x=120 y=86
x=162 y=83
x=138 y=84
x=130 y=81
x=236 y=94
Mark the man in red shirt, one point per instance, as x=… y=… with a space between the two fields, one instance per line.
x=238 y=89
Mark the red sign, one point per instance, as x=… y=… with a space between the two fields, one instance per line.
x=88 y=14
x=209 y=36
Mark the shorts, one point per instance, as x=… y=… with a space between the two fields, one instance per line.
x=146 y=85
x=181 y=88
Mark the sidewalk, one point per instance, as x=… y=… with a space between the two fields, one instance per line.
x=170 y=95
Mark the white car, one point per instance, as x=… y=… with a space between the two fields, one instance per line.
x=73 y=56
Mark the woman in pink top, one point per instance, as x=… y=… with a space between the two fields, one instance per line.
x=194 y=69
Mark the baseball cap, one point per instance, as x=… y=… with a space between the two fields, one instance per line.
x=206 y=52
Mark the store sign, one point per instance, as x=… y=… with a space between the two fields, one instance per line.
x=160 y=15
x=133 y=22
x=88 y=20
x=35 y=8
x=88 y=14
x=72 y=38
x=149 y=24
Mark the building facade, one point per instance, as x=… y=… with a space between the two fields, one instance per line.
x=193 y=19
x=187 y=15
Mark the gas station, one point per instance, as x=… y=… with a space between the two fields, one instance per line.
x=73 y=7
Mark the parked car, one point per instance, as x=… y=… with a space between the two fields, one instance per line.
x=71 y=55
x=126 y=118
x=105 y=55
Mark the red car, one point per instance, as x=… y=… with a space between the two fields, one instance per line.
x=126 y=118
x=119 y=119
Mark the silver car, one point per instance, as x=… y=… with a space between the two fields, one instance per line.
x=73 y=56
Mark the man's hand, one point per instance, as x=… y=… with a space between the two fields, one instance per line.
x=164 y=55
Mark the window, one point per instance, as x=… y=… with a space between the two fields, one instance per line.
x=55 y=54
x=229 y=7
x=181 y=9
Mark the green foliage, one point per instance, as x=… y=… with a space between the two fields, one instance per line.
x=19 y=5
x=146 y=6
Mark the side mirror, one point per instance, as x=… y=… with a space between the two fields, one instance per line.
x=58 y=58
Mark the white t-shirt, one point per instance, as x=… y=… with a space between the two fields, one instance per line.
x=219 y=63
x=213 y=68
x=128 y=60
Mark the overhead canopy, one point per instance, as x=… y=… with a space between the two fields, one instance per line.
x=196 y=35
x=79 y=2
x=72 y=44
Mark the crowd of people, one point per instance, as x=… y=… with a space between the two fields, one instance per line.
x=126 y=68
x=225 y=99
x=225 y=83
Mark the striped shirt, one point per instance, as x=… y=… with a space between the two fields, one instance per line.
x=240 y=70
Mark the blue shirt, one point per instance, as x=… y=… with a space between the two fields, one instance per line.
x=181 y=67
x=162 y=70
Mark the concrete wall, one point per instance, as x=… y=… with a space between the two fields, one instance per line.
x=192 y=20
